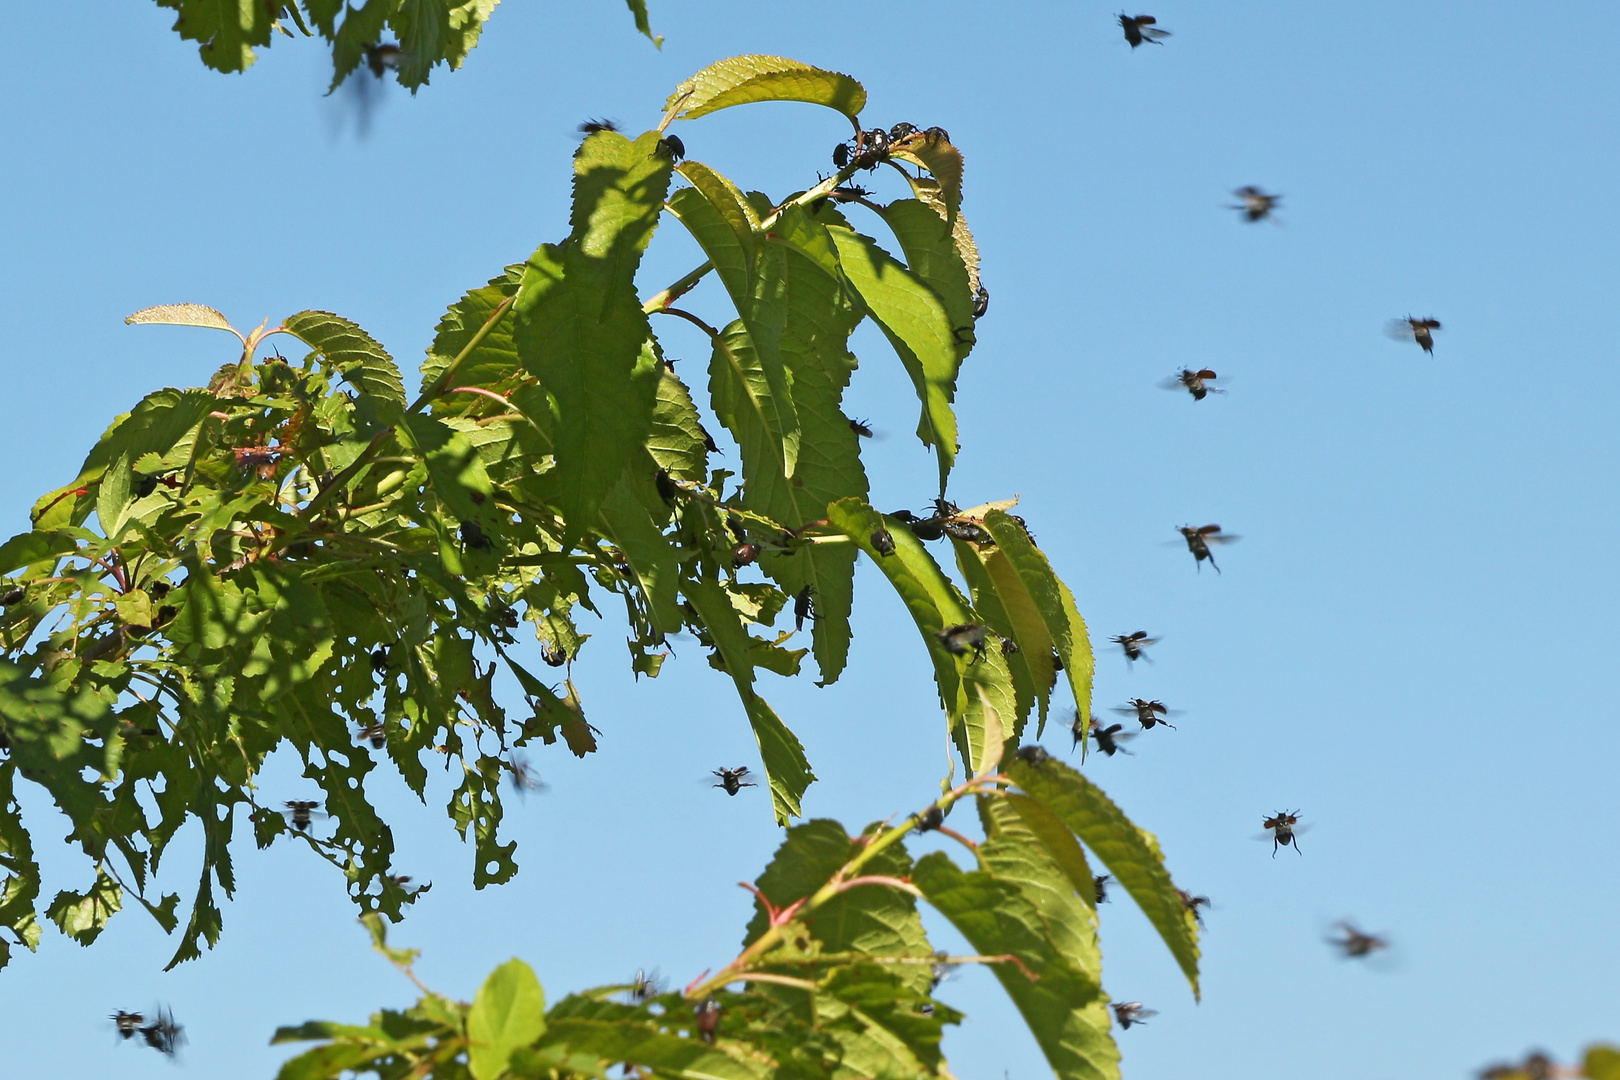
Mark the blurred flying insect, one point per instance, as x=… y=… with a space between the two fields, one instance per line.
x=645 y=986
x=1418 y=330
x=942 y=970
x=1256 y=204
x=1108 y=738
x=1199 y=540
x=1354 y=943
x=1192 y=903
x=963 y=639
x=859 y=427
x=128 y=1023
x=1284 y=827
x=1034 y=754
x=382 y=57
x=1131 y=1012
x=524 y=778
x=163 y=1034
x=301 y=813
x=376 y=734
x=1140 y=28
x=1147 y=713
x=1135 y=645
x=591 y=127
x=1100 y=883
x=733 y=780
x=1197 y=383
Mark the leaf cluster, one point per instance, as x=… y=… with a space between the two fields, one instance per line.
x=408 y=37
x=836 y=976
x=301 y=555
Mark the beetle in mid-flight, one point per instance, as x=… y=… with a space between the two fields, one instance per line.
x=1200 y=384
x=733 y=780
x=1256 y=204
x=1147 y=713
x=964 y=639
x=1140 y=28
x=301 y=812
x=1199 y=540
x=1108 y=738
x=1192 y=903
x=1284 y=827
x=1131 y=1012
x=1135 y=645
x=1418 y=330
x=1354 y=943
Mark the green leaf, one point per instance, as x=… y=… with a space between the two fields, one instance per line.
x=1131 y=855
x=638 y=9
x=933 y=255
x=813 y=348
x=19 y=888
x=635 y=1044
x=226 y=30
x=626 y=521
x=353 y=352
x=915 y=321
x=580 y=327
x=935 y=604
x=1065 y=1009
x=677 y=440
x=493 y=365
x=161 y=421
x=509 y=1012
x=433 y=32
x=875 y=922
x=756 y=278
x=455 y=471
x=786 y=768
x=82 y=916
x=1032 y=575
x=744 y=79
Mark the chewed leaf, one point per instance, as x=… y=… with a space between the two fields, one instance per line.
x=182 y=315
x=741 y=80
x=938 y=157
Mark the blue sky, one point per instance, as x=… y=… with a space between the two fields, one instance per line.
x=1408 y=644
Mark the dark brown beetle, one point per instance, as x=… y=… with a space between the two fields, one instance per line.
x=963 y=639
x=708 y=1019
x=1147 y=713
x=591 y=127
x=1131 y=1012
x=1199 y=540
x=804 y=607
x=733 y=780
x=1135 y=644
x=1108 y=738
x=1196 y=383
x=744 y=554
x=882 y=542
x=1418 y=330
x=670 y=146
x=1140 y=28
x=1283 y=828
x=1193 y=903
x=163 y=1034
x=128 y=1023
x=376 y=734
x=301 y=813
x=380 y=58
x=859 y=427
x=981 y=302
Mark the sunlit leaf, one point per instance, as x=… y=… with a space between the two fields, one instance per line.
x=509 y=1012
x=740 y=80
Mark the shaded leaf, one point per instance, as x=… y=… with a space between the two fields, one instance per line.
x=580 y=328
